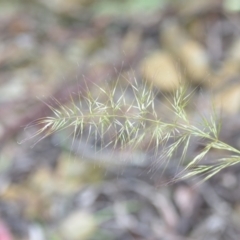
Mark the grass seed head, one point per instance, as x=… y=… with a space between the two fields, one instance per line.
x=122 y=122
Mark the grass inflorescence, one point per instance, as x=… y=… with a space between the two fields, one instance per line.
x=118 y=122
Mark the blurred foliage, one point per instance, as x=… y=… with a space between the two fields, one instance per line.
x=232 y=5
x=127 y=7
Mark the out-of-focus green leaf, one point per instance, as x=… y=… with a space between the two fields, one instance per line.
x=127 y=7
x=143 y=5
x=232 y=5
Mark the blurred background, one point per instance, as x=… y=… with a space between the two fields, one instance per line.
x=50 y=49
